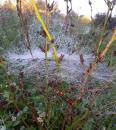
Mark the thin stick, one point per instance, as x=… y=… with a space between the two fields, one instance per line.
x=46 y=64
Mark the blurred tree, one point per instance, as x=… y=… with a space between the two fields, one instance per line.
x=99 y=21
x=112 y=23
x=8 y=25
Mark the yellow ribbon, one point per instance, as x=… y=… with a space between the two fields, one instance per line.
x=40 y=20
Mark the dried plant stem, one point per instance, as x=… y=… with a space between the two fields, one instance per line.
x=89 y=71
x=113 y=38
x=106 y=20
x=46 y=64
x=23 y=24
x=98 y=58
x=109 y=13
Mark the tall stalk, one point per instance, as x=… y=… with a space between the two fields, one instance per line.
x=46 y=63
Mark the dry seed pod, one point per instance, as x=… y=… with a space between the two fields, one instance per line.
x=100 y=57
x=52 y=41
x=20 y=82
x=81 y=59
x=59 y=93
x=82 y=91
x=34 y=117
x=60 y=58
x=43 y=48
x=42 y=32
x=21 y=74
x=70 y=102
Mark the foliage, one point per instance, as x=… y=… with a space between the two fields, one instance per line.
x=56 y=104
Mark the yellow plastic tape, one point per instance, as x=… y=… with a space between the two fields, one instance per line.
x=40 y=20
x=55 y=57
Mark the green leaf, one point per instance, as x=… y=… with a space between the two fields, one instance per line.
x=16 y=123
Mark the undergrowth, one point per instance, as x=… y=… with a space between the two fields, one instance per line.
x=25 y=104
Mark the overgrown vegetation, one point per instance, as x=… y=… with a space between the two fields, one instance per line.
x=54 y=104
